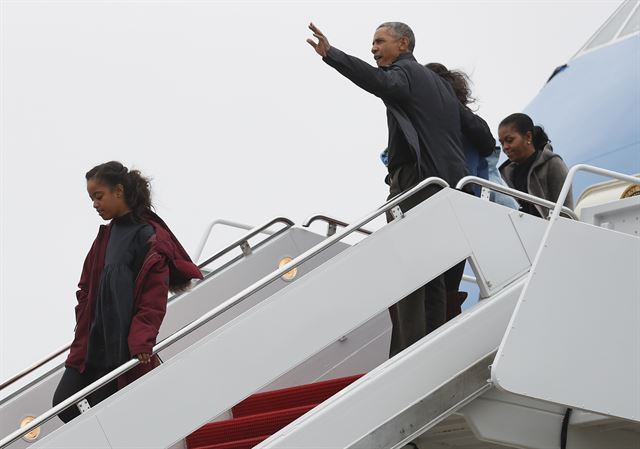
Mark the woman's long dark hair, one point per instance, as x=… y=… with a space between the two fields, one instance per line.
x=458 y=80
x=137 y=191
x=524 y=124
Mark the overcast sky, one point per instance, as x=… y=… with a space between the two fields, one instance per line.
x=229 y=110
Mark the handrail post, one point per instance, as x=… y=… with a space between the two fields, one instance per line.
x=514 y=193
x=332 y=228
x=246 y=248
x=332 y=224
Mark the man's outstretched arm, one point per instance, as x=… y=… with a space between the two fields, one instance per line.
x=391 y=84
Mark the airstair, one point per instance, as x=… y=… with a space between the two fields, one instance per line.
x=261 y=250
x=557 y=329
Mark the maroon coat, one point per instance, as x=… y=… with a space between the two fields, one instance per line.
x=166 y=265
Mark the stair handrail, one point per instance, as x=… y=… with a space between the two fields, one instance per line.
x=514 y=193
x=332 y=224
x=221 y=221
x=228 y=304
x=569 y=181
x=238 y=243
x=243 y=241
x=33 y=367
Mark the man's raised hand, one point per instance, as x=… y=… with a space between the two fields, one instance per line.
x=322 y=46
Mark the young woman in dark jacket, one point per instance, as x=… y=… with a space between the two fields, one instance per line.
x=122 y=294
x=478 y=143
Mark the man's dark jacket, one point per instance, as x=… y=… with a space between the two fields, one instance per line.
x=423 y=116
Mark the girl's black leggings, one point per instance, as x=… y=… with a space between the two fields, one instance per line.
x=73 y=381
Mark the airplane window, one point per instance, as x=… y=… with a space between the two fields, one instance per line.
x=633 y=25
x=609 y=31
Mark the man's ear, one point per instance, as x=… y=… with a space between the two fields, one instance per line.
x=404 y=44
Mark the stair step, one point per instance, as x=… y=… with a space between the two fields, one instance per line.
x=238 y=429
x=247 y=443
x=287 y=398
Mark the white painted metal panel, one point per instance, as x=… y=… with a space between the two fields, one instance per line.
x=531 y=229
x=620 y=215
x=502 y=418
x=356 y=353
x=510 y=421
x=402 y=381
x=496 y=259
x=87 y=435
x=575 y=336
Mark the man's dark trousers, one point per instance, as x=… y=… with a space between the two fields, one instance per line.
x=424 y=310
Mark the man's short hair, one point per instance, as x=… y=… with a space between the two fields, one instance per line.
x=399 y=30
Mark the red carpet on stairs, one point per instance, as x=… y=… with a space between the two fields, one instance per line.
x=238 y=444
x=263 y=414
x=246 y=427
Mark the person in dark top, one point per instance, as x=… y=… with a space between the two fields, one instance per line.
x=480 y=149
x=423 y=117
x=532 y=167
x=122 y=294
x=477 y=143
x=477 y=140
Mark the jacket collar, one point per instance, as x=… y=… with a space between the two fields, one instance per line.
x=507 y=166
x=408 y=56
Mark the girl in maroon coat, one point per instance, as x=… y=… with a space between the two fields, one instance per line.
x=122 y=297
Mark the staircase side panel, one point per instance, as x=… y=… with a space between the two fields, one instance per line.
x=575 y=336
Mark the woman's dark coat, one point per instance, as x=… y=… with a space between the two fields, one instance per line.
x=544 y=180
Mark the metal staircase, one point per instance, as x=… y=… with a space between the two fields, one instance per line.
x=260 y=255
x=471 y=366
x=300 y=320
x=513 y=364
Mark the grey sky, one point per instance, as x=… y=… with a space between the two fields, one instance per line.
x=230 y=111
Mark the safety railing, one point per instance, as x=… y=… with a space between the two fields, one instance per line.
x=332 y=224
x=514 y=193
x=34 y=367
x=242 y=242
x=221 y=221
x=217 y=311
x=587 y=168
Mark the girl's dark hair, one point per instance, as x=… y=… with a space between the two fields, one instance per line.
x=458 y=80
x=137 y=192
x=523 y=124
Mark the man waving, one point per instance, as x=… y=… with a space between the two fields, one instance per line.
x=423 y=118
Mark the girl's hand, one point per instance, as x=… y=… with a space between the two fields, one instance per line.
x=144 y=358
